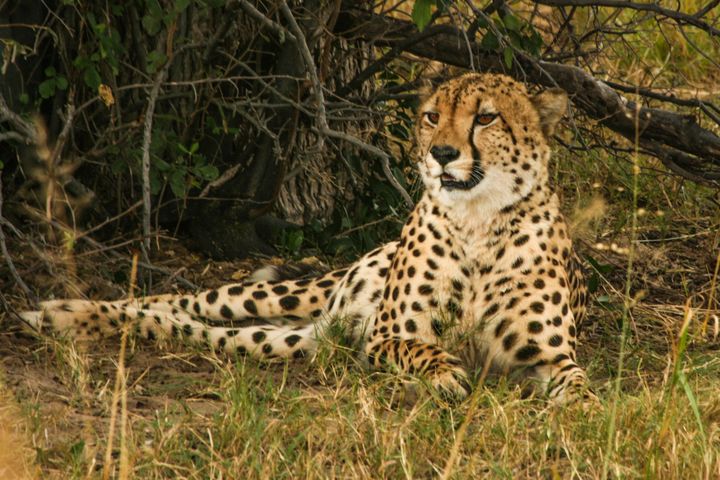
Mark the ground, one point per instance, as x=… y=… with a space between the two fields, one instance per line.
x=194 y=414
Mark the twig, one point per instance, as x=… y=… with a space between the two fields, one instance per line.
x=384 y=160
x=311 y=70
x=62 y=138
x=6 y=255
x=279 y=30
x=120 y=256
x=147 y=138
x=323 y=128
x=679 y=140
x=679 y=17
x=24 y=128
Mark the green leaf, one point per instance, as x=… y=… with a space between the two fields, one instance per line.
x=295 y=240
x=177 y=183
x=82 y=62
x=181 y=5
x=151 y=24
x=118 y=165
x=603 y=299
x=693 y=403
x=534 y=42
x=489 y=42
x=155 y=183
x=155 y=61
x=422 y=13
x=508 y=57
x=92 y=77
x=50 y=72
x=47 y=88
x=161 y=165
x=61 y=82
x=208 y=172
x=77 y=448
x=24 y=98
x=602 y=268
x=512 y=23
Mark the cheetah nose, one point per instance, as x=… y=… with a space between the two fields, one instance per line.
x=444 y=154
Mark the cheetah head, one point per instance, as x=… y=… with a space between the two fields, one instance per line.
x=483 y=138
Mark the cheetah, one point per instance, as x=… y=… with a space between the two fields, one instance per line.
x=483 y=278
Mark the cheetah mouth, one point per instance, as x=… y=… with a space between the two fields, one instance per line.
x=446 y=177
x=450 y=182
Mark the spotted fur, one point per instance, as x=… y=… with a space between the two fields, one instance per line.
x=483 y=276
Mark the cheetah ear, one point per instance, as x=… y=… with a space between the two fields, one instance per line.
x=425 y=89
x=551 y=105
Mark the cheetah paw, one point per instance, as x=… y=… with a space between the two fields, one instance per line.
x=451 y=381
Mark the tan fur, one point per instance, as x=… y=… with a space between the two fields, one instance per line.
x=483 y=275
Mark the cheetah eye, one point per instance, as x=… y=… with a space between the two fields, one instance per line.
x=432 y=117
x=485 y=118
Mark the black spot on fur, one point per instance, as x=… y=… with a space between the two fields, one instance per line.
x=535 y=327
x=280 y=289
x=289 y=302
x=537 y=307
x=358 y=287
x=556 y=298
x=236 y=290
x=259 y=294
x=226 y=312
x=491 y=310
x=521 y=240
x=501 y=327
x=292 y=340
x=258 y=337
x=509 y=340
x=250 y=306
x=411 y=326
x=212 y=296
x=425 y=289
x=437 y=327
x=527 y=352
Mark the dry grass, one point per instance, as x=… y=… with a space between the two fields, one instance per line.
x=191 y=414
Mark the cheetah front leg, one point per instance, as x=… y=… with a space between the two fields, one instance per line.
x=443 y=370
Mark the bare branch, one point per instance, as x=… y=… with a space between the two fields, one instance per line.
x=256 y=14
x=23 y=128
x=384 y=158
x=311 y=70
x=671 y=135
x=6 y=255
x=147 y=138
x=679 y=17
